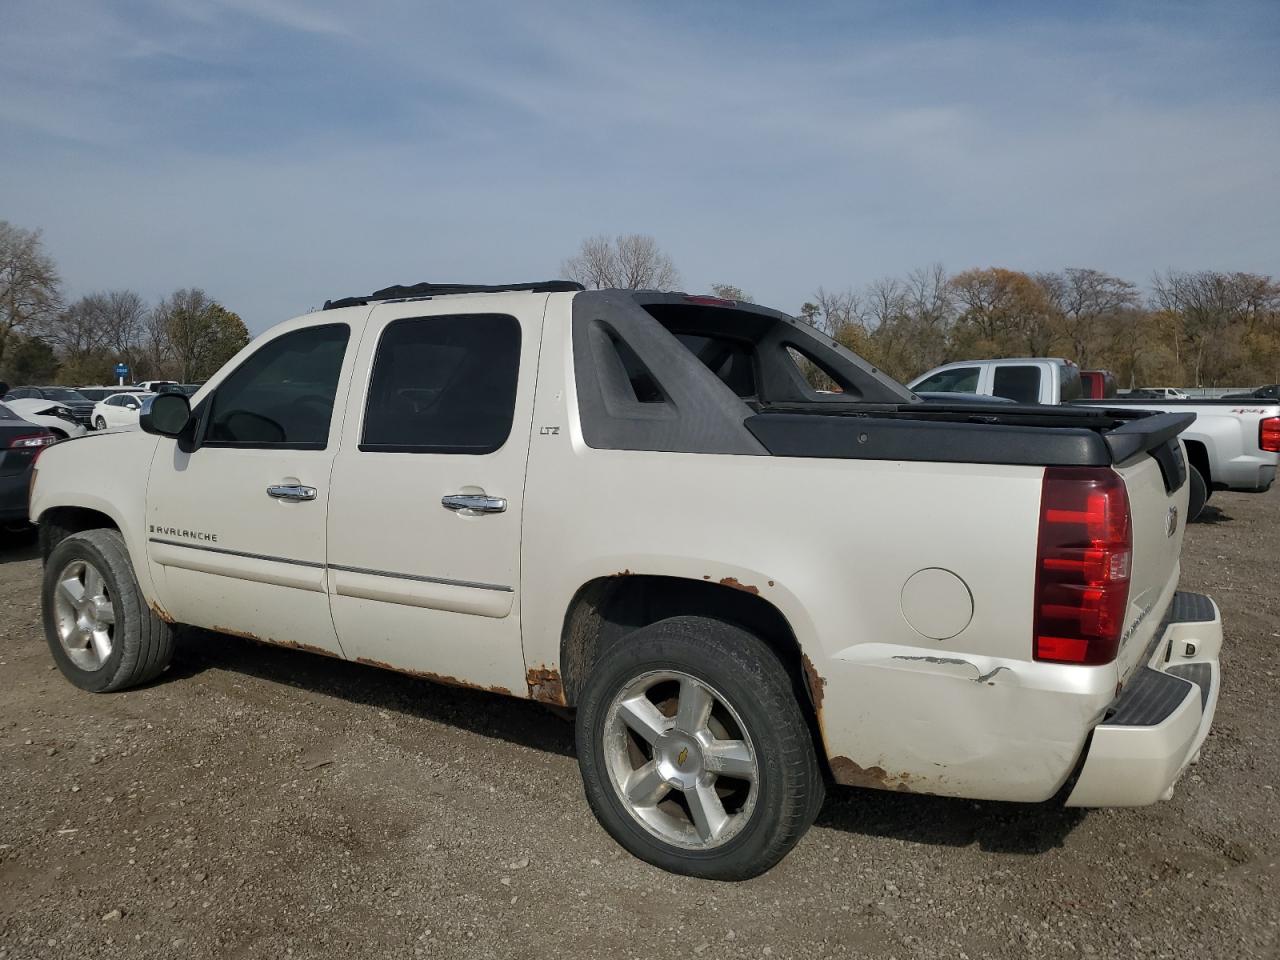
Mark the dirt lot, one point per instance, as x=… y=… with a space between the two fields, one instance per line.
x=264 y=803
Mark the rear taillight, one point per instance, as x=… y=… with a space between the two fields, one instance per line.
x=29 y=440
x=1269 y=434
x=1082 y=565
x=708 y=301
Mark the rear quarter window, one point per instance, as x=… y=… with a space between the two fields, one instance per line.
x=1019 y=383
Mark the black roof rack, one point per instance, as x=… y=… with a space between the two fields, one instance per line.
x=423 y=290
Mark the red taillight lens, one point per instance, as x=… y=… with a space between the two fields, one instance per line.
x=1082 y=565
x=1269 y=434
x=709 y=301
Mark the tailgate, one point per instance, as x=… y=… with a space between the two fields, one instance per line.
x=1158 y=492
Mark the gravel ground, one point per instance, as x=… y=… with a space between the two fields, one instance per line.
x=266 y=803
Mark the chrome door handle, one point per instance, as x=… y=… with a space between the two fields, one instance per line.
x=475 y=502
x=292 y=492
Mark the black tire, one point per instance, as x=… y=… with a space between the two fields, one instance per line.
x=141 y=643
x=1199 y=494
x=749 y=675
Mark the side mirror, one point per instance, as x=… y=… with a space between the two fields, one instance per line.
x=165 y=414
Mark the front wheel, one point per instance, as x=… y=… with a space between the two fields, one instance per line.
x=99 y=423
x=101 y=632
x=694 y=753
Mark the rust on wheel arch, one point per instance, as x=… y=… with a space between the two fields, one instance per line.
x=815 y=683
x=161 y=612
x=737 y=584
x=545 y=685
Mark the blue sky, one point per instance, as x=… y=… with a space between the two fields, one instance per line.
x=277 y=153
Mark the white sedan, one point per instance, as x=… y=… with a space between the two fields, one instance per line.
x=48 y=413
x=119 y=411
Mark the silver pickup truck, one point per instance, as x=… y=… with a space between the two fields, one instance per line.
x=1234 y=443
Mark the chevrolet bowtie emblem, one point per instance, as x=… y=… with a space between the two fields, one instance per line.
x=684 y=755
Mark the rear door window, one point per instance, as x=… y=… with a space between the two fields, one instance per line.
x=955 y=380
x=1019 y=383
x=443 y=385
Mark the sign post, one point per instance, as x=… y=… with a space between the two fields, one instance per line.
x=122 y=371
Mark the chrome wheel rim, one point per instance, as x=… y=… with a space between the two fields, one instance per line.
x=681 y=760
x=84 y=614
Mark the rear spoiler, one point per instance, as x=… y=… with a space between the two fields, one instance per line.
x=1145 y=434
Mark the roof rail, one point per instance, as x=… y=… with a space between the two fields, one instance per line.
x=420 y=291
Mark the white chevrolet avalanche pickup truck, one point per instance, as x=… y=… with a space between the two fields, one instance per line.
x=635 y=504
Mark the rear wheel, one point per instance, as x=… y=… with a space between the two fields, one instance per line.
x=101 y=632
x=694 y=753
x=1199 y=494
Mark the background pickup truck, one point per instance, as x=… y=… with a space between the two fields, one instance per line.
x=1232 y=445
x=636 y=505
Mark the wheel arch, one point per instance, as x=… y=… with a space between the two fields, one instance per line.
x=1198 y=457
x=58 y=523
x=604 y=610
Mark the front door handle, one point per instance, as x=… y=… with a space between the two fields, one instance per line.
x=293 y=492
x=474 y=502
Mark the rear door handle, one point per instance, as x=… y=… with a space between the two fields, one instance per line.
x=475 y=502
x=292 y=492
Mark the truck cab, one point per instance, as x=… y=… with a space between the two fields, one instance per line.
x=1020 y=379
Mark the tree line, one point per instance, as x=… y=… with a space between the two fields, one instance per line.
x=1190 y=328
x=186 y=337
x=1197 y=328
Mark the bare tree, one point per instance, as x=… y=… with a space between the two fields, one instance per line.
x=1214 y=313
x=124 y=316
x=630 y=261
x=1084 y=303
x=29 y=281
x=833 y=310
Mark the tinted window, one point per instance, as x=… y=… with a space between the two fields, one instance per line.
x=283 y=394
x=24 y=393
x=443 y=385
x=955 y=380
x=64 y=396
x=1018 y=383
x=1070 y=385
